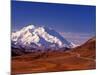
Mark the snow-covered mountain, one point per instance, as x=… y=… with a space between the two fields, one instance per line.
x=31 y=37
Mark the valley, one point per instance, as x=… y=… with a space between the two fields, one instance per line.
x=79 y=58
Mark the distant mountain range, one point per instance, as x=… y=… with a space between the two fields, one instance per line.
x=31 y=38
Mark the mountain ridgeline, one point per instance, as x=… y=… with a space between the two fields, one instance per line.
x=33 y=39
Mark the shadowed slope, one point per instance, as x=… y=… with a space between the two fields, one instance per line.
x=88 y=49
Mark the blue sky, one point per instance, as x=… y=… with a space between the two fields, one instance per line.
x=64 y=18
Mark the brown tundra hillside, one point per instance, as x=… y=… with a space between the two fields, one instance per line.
x=79 y=58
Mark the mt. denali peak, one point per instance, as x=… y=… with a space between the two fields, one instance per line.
x=31 y=37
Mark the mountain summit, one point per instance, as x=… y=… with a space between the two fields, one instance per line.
x=31 y=37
